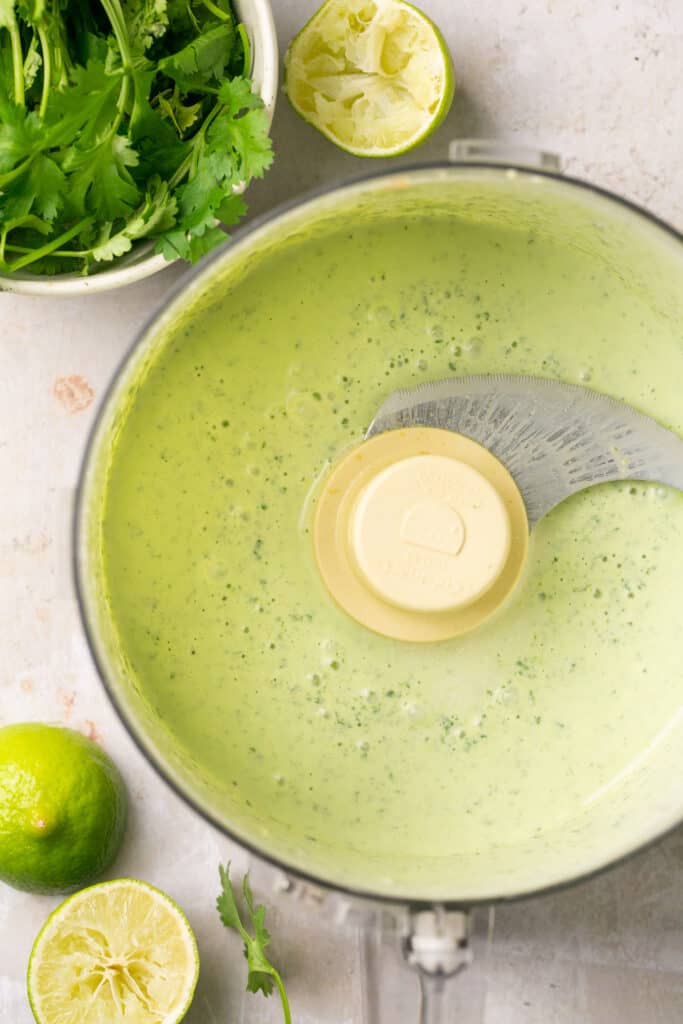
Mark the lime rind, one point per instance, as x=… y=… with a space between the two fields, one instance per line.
x=80 y=954
x=62 y=808
x=374 y=76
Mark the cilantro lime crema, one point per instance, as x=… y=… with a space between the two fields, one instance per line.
x=427 y=769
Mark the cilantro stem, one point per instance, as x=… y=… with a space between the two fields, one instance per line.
x=120 y=107
x=283 y=997
x=246 y=46
x=17 y=63
x=49 y=247
x=5 y=179
x=68 y=253
x=117 y=20
x=181 y=171
x=112 y=8
x=47 y=70
x=191 y=158
x=16 y=172
x=215 y=9
x=61 y=59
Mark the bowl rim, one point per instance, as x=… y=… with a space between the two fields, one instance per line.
x=79 y=565
x=129 y=269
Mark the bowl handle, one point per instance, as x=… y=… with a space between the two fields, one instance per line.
x=492 y=151
x=435 y=943
x=438 y=947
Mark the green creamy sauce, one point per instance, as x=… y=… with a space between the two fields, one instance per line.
x=342 y=737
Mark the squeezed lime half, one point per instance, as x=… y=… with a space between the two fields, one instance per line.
x=374 y=76
x=118 y=952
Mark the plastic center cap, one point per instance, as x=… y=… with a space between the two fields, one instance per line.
x=420 y=534
x=429 y=534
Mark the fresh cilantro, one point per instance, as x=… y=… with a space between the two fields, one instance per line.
x=100 y=179
x=45 y=183
x=147 y=21
x=122 y=120
x=202 y=59
x=262 y=976
x=183 y=115
x=157 y=213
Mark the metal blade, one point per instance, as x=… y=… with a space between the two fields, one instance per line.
x=555 y=439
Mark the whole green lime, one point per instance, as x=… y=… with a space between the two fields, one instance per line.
x=62 y=808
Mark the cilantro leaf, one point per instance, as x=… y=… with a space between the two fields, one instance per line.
x=201 y=243
x=202 y=60
x=161 y=151
x=32 y=10
x=242 y=127
x=100 y=180
x=45 y=183
x=83 y=111
x=26 y=222
x=262 y=976
x=32 y=65
x=187 y=18
x=147 y=21
x=7 y=16
x=206 y=189
x=246 y=137
x=173 y=245
x=237 y=95
x=156 y=214
x=20 y=134
x=16 y=205
x=231 y=210
x=181 y=114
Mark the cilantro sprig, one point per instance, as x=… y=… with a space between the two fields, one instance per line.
x=122 y=120
x=262 y=976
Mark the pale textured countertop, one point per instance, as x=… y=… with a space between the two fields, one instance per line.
x=600 y=83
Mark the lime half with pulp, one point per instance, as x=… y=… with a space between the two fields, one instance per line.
x=374 y=76
x=117 y=952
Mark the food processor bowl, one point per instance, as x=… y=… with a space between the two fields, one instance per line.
x=643 y=257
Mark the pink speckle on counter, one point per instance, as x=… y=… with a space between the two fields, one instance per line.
x=32 y=544
x=67 y=698
x=91 y=731
x=26 y=685
x=73 y=392
x=43 y=614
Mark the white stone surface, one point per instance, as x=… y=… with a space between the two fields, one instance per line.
x=598 y=82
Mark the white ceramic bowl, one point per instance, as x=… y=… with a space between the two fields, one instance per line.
x=142 y=261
